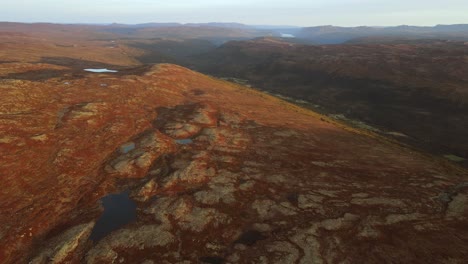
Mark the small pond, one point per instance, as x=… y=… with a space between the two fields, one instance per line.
x=99 y=70
x=184 y=141
x=284 y=35
x=127 y=147
x=119 y=210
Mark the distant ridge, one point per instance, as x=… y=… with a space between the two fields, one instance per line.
x=334 y=35
x=326 y=34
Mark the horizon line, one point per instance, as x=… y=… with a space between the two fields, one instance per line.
x=213 y=22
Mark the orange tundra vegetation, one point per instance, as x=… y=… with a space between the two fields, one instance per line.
x=261 y=180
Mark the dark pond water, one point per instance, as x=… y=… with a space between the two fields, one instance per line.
x=119 y=210
x=212 y=260
x=250 y=237
x=127 y=147
x=184 y=141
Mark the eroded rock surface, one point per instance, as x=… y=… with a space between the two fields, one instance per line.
x=67 y=247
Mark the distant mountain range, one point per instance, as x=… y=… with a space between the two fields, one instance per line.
x=210 y=24
x=336 y=35
x=323 y=34
x=220 y=33
x=175 y=24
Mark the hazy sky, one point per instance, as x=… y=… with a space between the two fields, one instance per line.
x=276 y=12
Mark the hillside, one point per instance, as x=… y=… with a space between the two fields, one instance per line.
x=162 y=164
x=417 y=89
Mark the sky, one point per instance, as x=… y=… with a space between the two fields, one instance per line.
x=253 y=12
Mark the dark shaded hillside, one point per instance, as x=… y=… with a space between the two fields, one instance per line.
x=173 y=51
x=420 y=90
x=187 y=52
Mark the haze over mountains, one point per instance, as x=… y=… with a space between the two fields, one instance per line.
x=317 y=34
x=328 y=34
x=333 y=34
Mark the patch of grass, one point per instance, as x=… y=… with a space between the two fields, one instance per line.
x=454 y=158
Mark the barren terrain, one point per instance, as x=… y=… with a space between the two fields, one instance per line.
x=218 y=172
